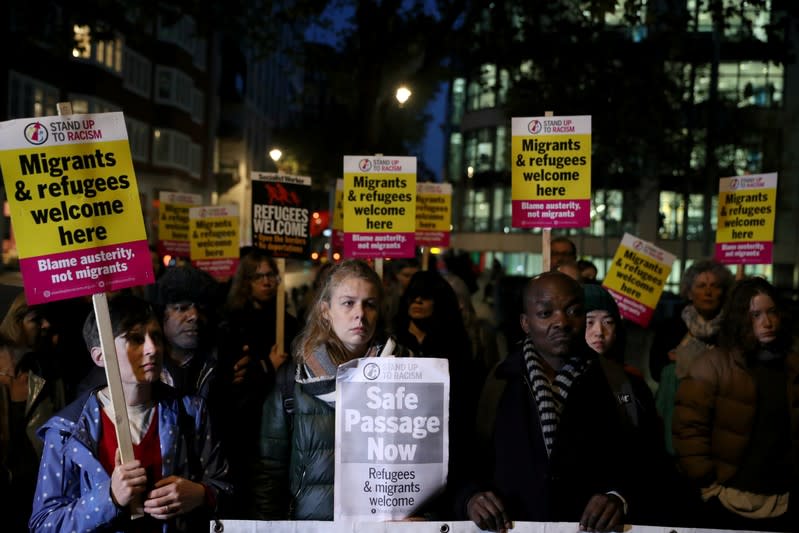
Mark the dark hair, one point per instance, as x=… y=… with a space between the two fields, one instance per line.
x=567 y=241
x=240 y=288
x=125 y=312
x=736 y=332
x=444 y=328
x=721 y=272
x=185 y=283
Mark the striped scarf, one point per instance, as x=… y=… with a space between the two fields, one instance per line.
x=550 y=396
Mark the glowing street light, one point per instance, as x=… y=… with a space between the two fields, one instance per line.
x=402 y=95
x=275 y=154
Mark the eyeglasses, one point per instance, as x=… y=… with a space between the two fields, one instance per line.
x=260 y=276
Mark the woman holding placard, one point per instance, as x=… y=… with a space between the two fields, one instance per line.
x=298 y=456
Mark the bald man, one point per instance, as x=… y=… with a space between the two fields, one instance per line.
x=553 y=448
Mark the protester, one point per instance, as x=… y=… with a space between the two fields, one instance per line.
x=250 y=357
x=737 y=413
x=704 y=285
x=554 y=444
x=397 y=276
x=298 y=456
x=645 y=450
x=570 y=268
x=482 y=336
x=27 y=400
x=178 y=470
x=588 y=271
x=561 y=249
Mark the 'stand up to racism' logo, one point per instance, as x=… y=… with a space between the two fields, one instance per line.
x=36 y=133
x=371 y=371
x=365 y=165
x=535 y=126
x=734 y=183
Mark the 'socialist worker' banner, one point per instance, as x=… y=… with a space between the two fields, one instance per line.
x=214 y=233
x=338 y=217
x=433 y=214
x=379 y=206
x=551 y=172
x=281 y=214
x=391 y=436
x=637 y=277
x=745 y=231
x=173 y=222
x=75 y=205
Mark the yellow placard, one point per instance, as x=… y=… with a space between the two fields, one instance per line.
x=214 y=237
x=639 y=271
x=745 y=216
x=338 y=211
x=72 y=197
x=433 y=212
x=379 y=203
x=551 y=167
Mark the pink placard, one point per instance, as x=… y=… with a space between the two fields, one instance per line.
x=174 y=248
x=744 y=253
x=432 y=238
x=632 y=310
x=83 y=272
x=551 y=213
x=220 y=269
x=379 y=245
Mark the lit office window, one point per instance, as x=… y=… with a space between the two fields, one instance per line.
x=503 y=146
x=29 y=97
x=746 y=83
x=606 y=213
x=458 y=100
x=672 y=220
x=456 y=156
x=739 y=18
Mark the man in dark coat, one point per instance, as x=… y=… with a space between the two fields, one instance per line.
x=553 y=440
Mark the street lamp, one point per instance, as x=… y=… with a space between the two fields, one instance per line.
x=402 y=94
x=275 y=154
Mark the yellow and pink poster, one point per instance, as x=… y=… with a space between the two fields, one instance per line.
x=379 y=206
x=745 y=229
x=637 y=277
x=551 y=172
x=338 y=217
x=433 y=214
x=75 y=205
x=214 y=239
x=173 y=222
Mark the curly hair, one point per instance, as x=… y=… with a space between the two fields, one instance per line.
x=318 y=330
x=737 y=331
x=722 y=273
x=240 y=288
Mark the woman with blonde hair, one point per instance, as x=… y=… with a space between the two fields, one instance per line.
x=297 y=457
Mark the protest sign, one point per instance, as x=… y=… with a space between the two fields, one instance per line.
x=551 y=172
x=745 y=228
x=433 y=214
x=281 y=214
x=173 y=222
x=637 y=277
x=74 y=204
x=338 y=217
x=392 y=437
x=379 y=206
x=214 y=239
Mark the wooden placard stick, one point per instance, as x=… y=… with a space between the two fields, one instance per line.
x=546 y=234
x=280 y=324
x=112 y=375
x=425 y=258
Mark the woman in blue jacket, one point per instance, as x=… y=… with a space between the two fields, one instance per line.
x=178 y=472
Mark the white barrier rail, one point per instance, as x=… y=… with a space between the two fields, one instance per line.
x=254 y=526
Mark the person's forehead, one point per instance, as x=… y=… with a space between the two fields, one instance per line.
x=355 y=287
x=263 y=266
x=551 y=289
x=597 y=313
x=561 y=246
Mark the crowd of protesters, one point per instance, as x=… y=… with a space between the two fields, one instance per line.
x=228 y=422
